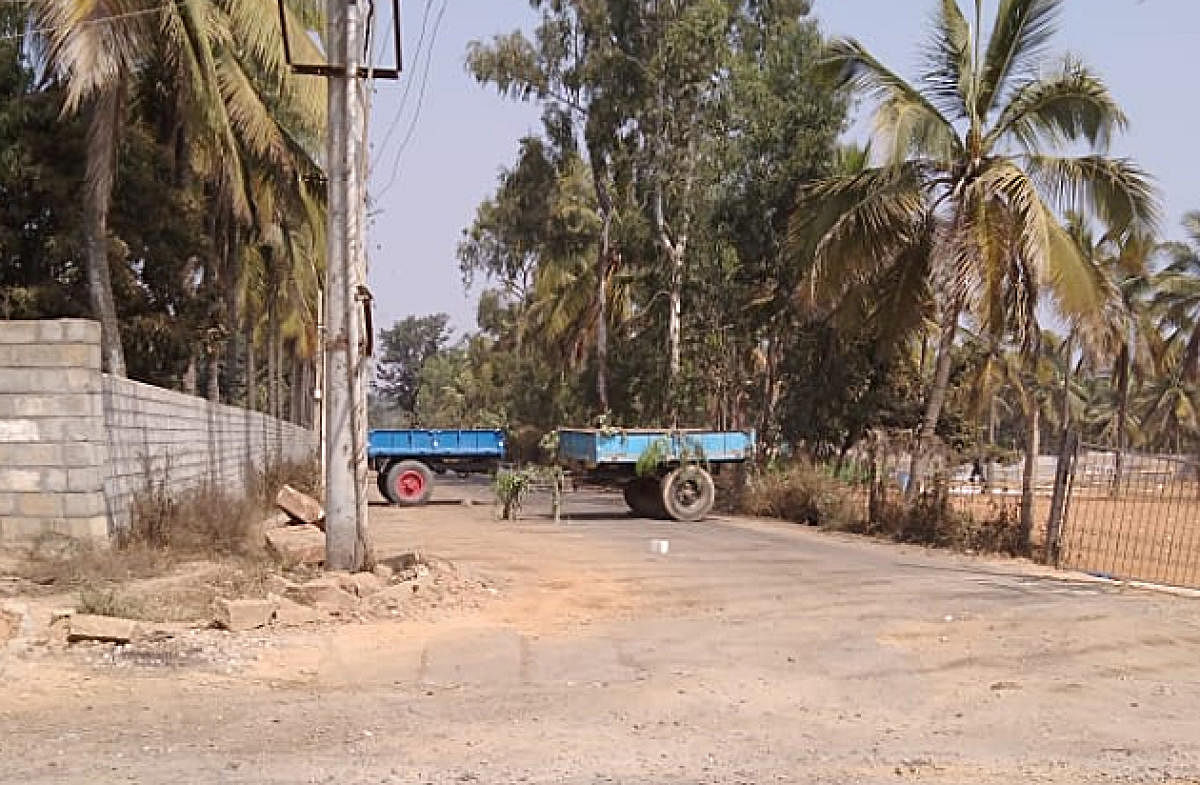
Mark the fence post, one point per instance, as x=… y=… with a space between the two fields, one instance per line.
x=1064 y=471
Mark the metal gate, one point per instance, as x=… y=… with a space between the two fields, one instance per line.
x=1133 y=516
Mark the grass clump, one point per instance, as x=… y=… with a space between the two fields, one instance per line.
x=800 y=493
x=803 y=493
x=108 y=601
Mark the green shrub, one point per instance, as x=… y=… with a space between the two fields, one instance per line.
x=511 y=489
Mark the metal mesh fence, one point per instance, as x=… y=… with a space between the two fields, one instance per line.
x=1133 y=516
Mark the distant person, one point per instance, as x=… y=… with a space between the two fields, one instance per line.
x=976 y=471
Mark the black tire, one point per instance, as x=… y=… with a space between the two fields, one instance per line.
x=408 y=483
x=642 y=496
x=381 y=484
x=688 y=494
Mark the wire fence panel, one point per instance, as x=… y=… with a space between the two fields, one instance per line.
x=1133 y=516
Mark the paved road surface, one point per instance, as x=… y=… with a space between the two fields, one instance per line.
x=749 y=653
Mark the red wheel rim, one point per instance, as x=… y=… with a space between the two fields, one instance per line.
x=410 y=485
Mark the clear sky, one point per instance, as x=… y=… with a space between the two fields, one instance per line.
x=465 y=133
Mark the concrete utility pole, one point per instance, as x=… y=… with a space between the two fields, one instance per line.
x=346 y=363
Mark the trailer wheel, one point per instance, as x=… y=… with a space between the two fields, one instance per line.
x=408 y=483
x=688 y=494
x=643 y=497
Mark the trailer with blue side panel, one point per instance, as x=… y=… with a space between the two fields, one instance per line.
x=675 y=480
x=407 y=459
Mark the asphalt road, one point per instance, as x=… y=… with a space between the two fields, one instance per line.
x=750 y=652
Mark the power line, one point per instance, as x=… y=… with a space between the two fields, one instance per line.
x=113 y=18
x=412 y=126
x=408 y=83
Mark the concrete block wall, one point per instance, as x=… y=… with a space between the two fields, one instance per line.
x=178 y=441
x=77 y=446
x=52 y=441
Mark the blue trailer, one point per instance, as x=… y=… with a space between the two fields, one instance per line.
x=406 y=460
x=664 y=473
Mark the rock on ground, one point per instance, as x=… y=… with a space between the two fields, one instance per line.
x=300 y=506
x=289 y=613
x=109 y=629
x=297 y=544
x=241 y=615
x=277 y=520
x=325 y=594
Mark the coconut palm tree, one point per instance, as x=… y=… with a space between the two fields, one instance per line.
x=969 y=177
x=1177 y=302
x=1133 y=342
x=224 y=69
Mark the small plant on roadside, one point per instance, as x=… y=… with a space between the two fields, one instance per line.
x=511 y=489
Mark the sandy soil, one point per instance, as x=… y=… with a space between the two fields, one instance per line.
x=750 y=653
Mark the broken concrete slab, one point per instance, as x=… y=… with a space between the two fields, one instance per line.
x=384 y=573
x=292 y=614
x=297 y=544
x=242 y=615
x=325 y=594
x=300 y=506
x=277 y=521
x=107 y=629
x=278 y=585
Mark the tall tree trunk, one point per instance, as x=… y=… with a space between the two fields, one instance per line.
x=772 y=392
x=1029 y=476
x=229 y=276
x=272 y=365
x=214 y=374
x=603 y=266
x=933 y=407
x=1122 y=420
x=189 y=375
x=299 y=384
x=675 y=318
x=251 y=371
x=103 y=134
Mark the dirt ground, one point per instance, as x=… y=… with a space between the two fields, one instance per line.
x=750 y=652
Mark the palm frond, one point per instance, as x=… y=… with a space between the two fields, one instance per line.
x=949 y=76
x=917 y=124
x=1019 y=37
x=845 y=228
x=93 y=43
x=1070 y=105
x=1117 y=191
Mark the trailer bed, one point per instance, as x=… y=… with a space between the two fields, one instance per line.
x=593 y=447
x=424 y=444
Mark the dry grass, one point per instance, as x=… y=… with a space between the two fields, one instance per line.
x=802 y=493
x=180 y=553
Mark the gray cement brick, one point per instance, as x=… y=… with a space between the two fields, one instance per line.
x=81 y=330
x=84 y=480
x=24 y=430
x=18 y=332
x=40 y=505
x=20 y=480
x=83 y=505
x=30 y=454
